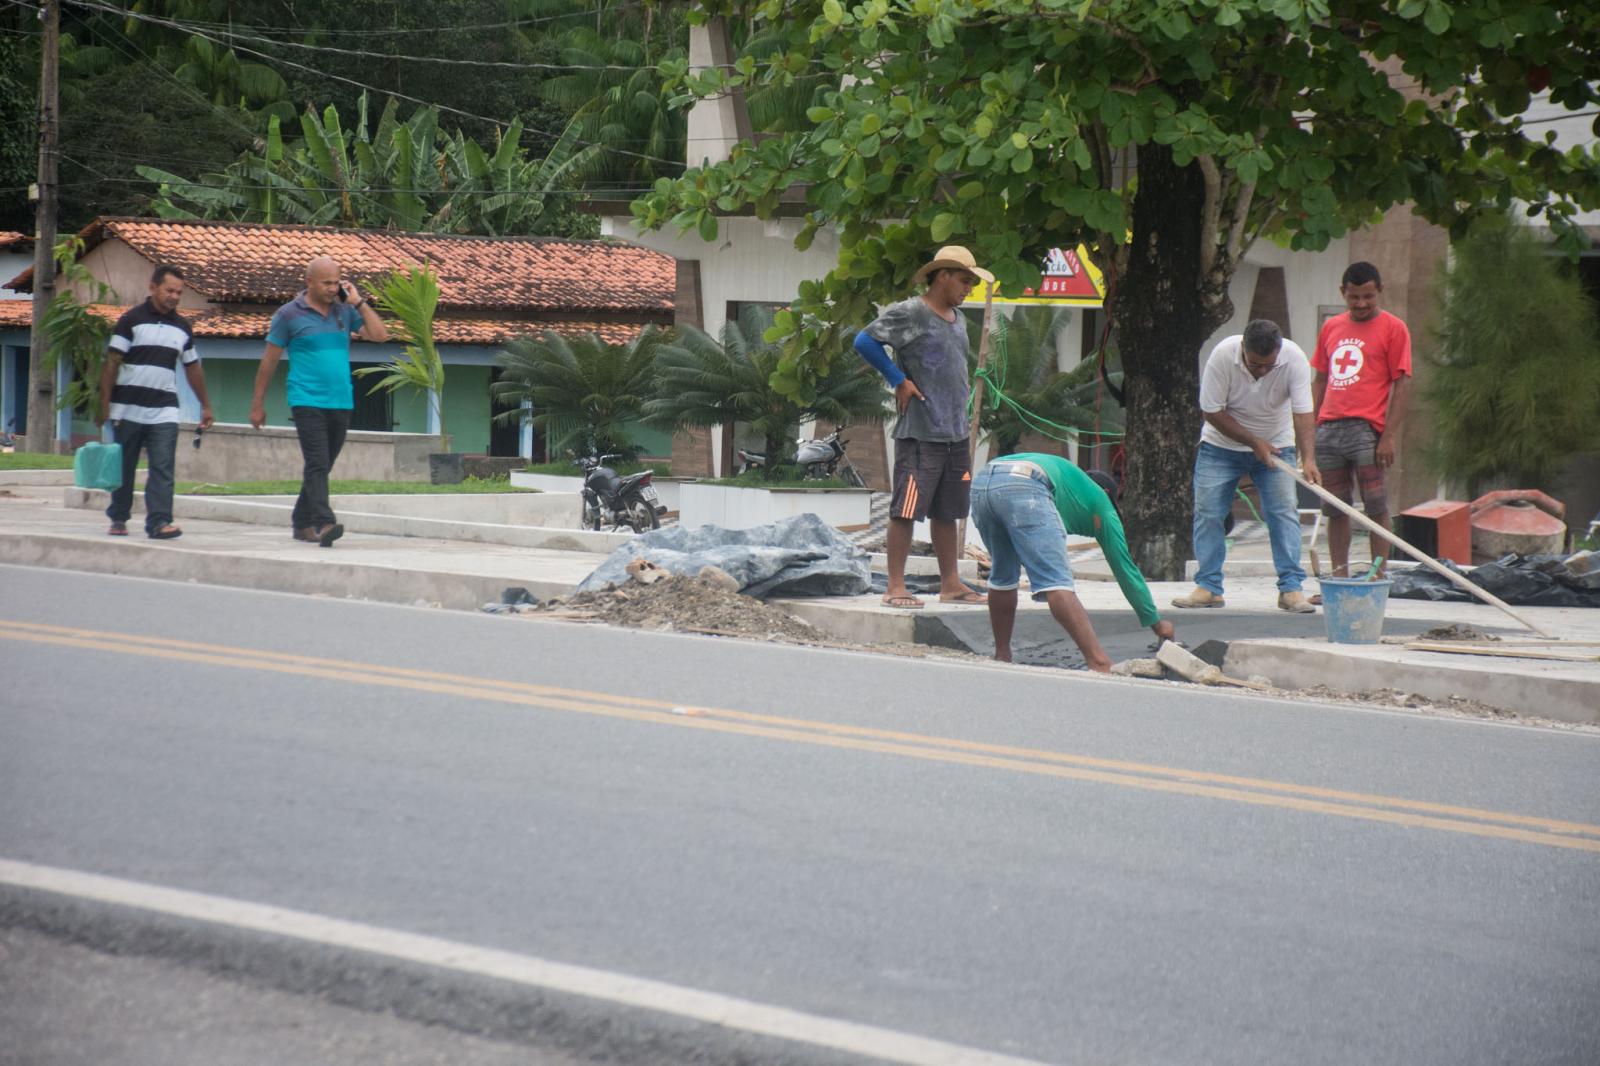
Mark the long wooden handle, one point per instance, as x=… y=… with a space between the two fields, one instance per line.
x=1421 y=556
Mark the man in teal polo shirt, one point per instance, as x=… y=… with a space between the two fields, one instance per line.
x=1024 y=506
x=314 y=331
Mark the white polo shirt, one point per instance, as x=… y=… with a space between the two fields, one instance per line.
x=1261 y=405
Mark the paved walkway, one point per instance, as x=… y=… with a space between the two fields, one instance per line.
x=37 y=529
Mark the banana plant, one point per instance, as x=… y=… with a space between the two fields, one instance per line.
x=393 y=174
x=411 y=298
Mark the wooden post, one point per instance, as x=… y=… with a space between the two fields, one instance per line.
x=41 y=385
x=977 y=403
x=1421 y=556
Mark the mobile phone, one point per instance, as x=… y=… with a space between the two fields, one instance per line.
x=342 y=296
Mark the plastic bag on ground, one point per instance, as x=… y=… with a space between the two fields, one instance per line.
x=798 y=556
x=1519 y=580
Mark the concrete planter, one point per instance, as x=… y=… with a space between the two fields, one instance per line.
x=447 y=468
x=232 y=451
x=702 y=504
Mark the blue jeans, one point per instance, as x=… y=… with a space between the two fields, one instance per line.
x=1216 y=479
x=1015 y=512
x=159 y=441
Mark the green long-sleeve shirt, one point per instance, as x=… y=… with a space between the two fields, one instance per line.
x=1087 y=511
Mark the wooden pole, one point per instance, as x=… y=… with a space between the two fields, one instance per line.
x=41 y=383
x=977 y=402
x=1421 y=556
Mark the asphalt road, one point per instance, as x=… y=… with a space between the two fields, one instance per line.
x=1024 y=862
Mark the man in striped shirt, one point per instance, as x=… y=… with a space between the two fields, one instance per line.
x=139 y=394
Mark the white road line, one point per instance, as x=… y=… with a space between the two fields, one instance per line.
x=726 y=1011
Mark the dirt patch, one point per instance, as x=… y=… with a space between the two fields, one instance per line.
x=1457 y=631
x=700 y=605
x=686 y=605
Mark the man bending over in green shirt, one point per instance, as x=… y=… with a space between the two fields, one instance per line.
x=1024 y=506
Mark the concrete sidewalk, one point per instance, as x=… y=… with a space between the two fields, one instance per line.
x=453 y=565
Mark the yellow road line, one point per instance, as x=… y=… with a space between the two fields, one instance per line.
x=1253 y=791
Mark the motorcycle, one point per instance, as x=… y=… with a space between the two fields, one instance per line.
x=819 y=459
x=629 y=501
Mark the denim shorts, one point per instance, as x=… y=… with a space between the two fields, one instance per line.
x=1014 y=508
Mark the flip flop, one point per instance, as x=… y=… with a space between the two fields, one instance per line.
x=166 y=533
x=904 y=603
x=118 y=529
x=976 y=599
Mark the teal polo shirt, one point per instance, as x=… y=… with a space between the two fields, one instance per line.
x=318 y=349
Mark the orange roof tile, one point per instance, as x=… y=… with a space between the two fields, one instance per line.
x=18 y=314
x=232 y=262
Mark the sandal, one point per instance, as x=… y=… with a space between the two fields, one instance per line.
x=976 y=599
x=118 y=529
x=166 y=533
x=907 y=602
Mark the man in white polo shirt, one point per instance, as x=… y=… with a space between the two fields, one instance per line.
x=1256 y=399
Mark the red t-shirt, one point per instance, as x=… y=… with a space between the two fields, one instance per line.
x=1361 y=360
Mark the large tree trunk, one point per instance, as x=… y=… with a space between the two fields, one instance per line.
x=1162 y=315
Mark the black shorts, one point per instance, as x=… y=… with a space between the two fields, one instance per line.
x=932 y=479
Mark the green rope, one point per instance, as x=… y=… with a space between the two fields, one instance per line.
x=1247 y=503
x=995 y=378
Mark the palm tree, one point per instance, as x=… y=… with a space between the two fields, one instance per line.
x=1025 y=393
x=583 y=392
x=411 y=297
x=703 y=383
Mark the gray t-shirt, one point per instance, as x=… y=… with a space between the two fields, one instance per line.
x=933 y=354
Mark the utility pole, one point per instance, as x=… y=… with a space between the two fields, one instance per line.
x=41 y=385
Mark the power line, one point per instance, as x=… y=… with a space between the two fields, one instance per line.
x=231 y=34
x=397 y=31
x=372 y=88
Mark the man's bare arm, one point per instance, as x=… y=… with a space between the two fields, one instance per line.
x=1391 y=425
x=197 y=382
x=1305 y=440
x=258 y=399
x=108 y=381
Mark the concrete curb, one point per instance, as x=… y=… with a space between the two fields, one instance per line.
x=341 y=580
x=231 y=509
x=1552 y=690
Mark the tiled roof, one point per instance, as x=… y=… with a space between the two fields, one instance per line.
x=233 y=262
x=18 y=314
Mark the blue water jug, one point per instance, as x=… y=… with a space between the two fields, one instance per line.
x=98 y=466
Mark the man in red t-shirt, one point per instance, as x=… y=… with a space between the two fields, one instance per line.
x=1362 y=360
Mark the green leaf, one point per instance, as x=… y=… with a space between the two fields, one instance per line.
x=944 y=225
x=708 y=226
x=833 y=12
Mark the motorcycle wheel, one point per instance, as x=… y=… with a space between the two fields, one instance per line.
x=590 y=518
x=852 y=477
x=641 y=516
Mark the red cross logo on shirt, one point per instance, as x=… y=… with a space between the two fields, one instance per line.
x=1346 y=362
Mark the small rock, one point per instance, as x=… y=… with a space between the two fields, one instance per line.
x=1138 y=668
x=719 y=577
x=645 y=572
x=1260 y=679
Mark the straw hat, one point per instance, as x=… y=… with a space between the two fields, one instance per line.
x=952 y=257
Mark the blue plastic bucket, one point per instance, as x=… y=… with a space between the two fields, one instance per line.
x=1353 y=609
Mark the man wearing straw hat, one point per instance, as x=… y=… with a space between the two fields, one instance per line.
x=932 y=463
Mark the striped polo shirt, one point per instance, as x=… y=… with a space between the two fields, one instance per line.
x=318 y=348
x=151 y=345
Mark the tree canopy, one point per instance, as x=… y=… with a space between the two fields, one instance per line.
x=1168 y=135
